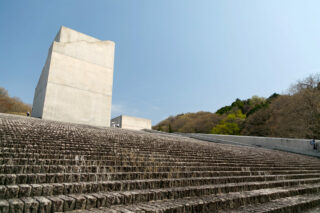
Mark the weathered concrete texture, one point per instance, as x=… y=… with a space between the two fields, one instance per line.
x=76 y=82
x=129 y=122
x=49 y=166
x=301 y=146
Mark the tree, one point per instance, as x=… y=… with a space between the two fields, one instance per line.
x=226 y=128
x=256 y=100
x=3 y=92
x=12 y=105
x=201 y=122
x=230 y=125
x=296 y=115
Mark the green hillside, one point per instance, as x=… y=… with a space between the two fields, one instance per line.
x=295 y=115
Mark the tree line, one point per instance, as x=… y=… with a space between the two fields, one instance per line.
x=294 y=115
x=12 y=105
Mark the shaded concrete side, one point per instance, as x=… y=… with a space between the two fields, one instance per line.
x=116 y=122
x=301 y=146
x=40 y=91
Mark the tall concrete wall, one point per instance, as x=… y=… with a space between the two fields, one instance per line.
x=301 y=146
x=40 y=91
x=129 y=122
x=76 y=82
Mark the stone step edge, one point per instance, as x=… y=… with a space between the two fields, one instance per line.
x=231 y=168
x=298 y=203
x=13 y=179
x=25 y=190
x=219 y=179
x=213 y=203
x=94 y=200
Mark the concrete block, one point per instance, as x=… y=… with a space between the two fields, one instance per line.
x=80 y=201
x=91 y=201
x=30 y=205
x=16 y=206
x=101 y=199
x=44 y=205
x=22 y=178
x=68 y=202
x=12 y=191
x=129 y=122
x=36 y=190
x=47 y=189
x=58 y=189
x=4 y=206
x=76 y=82
x=3 y=192
x=57 y=204
x=24 y=190
x=11 y=179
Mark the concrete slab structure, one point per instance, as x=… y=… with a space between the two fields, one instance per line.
x=76 y=82
x=129 y=122
x=301 y=146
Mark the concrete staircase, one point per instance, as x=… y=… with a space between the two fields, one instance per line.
x=48 y=166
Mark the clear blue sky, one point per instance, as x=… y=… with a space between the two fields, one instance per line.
x=172 y=56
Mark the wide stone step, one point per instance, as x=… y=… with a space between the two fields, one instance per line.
x=26 y=190
x=219 y=202
x=151 y=155
x=69 y=153
x=112 y=149
x=58 y=168
x=39 y=178
x=147 y=151
x=28 y=169
x=157 y=198
x=119 y=146
x=50 y=166
x=294 y=204
x=26 y=161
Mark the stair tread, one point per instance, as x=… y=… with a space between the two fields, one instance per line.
x=126 y=197
x=286 y=203
x=48 y=166
x=221 y=199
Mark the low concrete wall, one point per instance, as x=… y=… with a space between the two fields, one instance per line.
x=301 y=146
x=129 y=122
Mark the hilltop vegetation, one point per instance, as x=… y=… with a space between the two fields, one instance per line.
x=12 y=105
x=294 y=115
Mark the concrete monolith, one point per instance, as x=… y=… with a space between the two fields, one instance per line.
x=76 y=82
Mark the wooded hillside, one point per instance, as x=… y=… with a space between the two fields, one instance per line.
x=294 y=115
x=12 y=105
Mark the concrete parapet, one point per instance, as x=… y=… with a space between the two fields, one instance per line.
x=129 y=122
x=301 y=146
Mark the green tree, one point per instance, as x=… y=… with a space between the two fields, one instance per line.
x=230 y=124
x=226 y=128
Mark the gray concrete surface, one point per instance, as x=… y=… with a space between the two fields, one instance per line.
x=300 y=146
x=76 y=82
x=129 y=122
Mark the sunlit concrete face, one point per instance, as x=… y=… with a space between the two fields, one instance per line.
x=129 y=122
x=76 y=82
